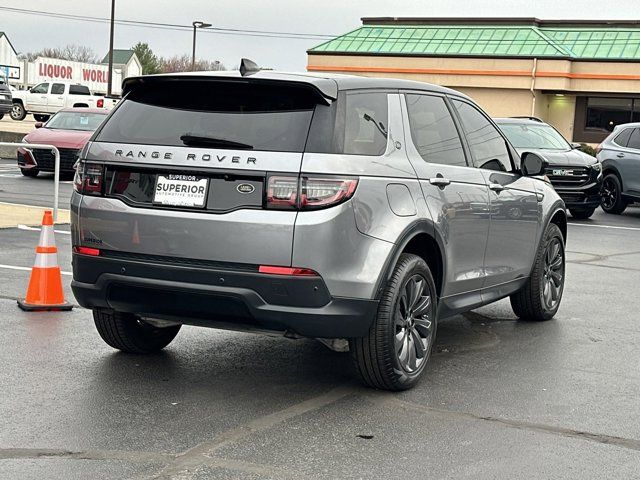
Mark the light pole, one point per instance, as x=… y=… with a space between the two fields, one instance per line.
x=196 y=25
x=110 y=78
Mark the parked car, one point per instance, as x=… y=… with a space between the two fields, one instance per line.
x=576 y=176
x=5 y=97
x=47 y=98
x=69 y=130
x=293 y=203
x=620 y=157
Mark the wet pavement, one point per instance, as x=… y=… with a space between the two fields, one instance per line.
x=501 y=398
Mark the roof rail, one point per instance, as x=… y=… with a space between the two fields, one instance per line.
x=526 y=117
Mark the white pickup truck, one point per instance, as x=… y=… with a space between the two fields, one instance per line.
x=47 y=98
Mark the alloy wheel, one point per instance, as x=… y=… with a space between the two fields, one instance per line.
x=16 y=111
x=553 y=274
x=414 y=324
x=609 y=193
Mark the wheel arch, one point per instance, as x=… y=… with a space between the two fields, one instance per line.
x=607 y=169
x=420 y=238
x=18 y=100
x=79 y=105
x=559 y=217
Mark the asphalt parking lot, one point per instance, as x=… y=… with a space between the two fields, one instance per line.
x=501 y=398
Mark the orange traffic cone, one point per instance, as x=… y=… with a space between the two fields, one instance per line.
x=45 y=285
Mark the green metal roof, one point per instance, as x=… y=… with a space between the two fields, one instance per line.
x=488 y=41
x=120 y=57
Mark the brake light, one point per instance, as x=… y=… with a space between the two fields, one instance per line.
x=308 y=193
x=100 y=103
x=282 y=192
x=88 y=179
x=302 y=272
x=94 y=252
x=324 y=192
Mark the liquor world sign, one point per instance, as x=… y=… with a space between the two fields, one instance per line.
x=92 y=75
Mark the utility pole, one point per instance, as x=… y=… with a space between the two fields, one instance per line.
x=196 y=25
x=110 y=79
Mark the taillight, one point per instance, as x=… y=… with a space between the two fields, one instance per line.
x=93 y=252
x=282 y=192
x=88 y=179
x=301 y=272
x=324 y=192
x=308 y=193
x=100 y=103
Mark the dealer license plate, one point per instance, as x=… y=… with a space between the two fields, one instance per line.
x=181 y=191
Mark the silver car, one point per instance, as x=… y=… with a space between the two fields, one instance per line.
x=330 y=207
x=620 y=157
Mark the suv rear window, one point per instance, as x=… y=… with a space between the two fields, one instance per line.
x=215 y=113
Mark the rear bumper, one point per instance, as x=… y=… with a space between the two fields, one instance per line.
x=219 y=297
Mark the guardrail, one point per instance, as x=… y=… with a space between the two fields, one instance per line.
x=56 y=168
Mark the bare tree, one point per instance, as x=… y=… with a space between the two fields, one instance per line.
x=183 y=64
x=73 y=52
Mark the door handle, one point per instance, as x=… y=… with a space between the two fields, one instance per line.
x=60 y=98
x=439 y=181
x=496 y=187
x=620 y=155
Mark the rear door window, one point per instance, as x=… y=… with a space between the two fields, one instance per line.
x=488 y=147
x=215 y=114
x=433 y=130
x=57 y=89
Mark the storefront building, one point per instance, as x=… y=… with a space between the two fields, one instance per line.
x=583 y=77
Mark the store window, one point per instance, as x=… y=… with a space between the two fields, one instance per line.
x=596 y=117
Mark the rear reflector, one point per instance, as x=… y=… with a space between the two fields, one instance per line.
x=94 y=252
x=286 y=271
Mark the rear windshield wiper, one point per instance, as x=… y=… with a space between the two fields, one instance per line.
x=201 y=141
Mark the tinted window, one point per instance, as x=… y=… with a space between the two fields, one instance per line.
x=79 y=90
x=605 y=113
x=634 y=140
x=57 y=89
x=365 y=128
x=214 y=114
x=433 y=131
x=487 y=146
x=42 y=88
x=623 y=137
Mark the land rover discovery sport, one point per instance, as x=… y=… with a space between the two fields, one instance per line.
x=317 y=206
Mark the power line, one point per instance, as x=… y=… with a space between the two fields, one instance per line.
x=172 y=26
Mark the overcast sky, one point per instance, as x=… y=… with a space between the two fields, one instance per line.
x=329 y=17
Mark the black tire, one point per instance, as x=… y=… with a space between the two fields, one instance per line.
x=1 y=116
x=378 y=355
x=29 y=172
x=530 y=303
x=581 y=214
x=18 y=112
x=41 y=118
x=126 y=332
x=611 y=199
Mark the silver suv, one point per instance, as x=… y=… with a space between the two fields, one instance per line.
x=316 y=206
x=620 y=157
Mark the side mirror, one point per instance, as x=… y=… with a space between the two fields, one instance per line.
x=532 y=164
x=575 y=145
x=39 y=124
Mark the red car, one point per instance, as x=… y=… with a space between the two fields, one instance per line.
x=69 y=130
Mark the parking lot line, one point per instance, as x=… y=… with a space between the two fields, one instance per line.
x=26 y=269
x=605 y=226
